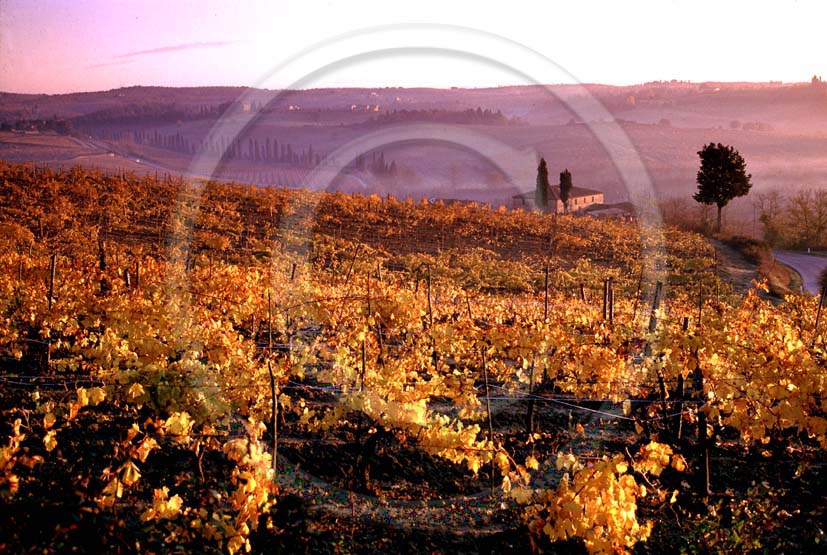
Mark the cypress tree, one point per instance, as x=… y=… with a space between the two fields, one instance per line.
x=542 y=193
x=565 y=187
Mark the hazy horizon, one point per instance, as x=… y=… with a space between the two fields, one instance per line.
x=422 y=87
x=460 y=85
x=48 y=47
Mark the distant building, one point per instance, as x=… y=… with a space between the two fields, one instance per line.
x=580 y=198
x=621 y=211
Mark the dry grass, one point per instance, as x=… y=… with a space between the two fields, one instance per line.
x=781 y=279
x=37 y=140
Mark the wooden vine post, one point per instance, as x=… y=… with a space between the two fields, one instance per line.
x=818 y=313
x=364 y=367
x=605 y=299
x=434 y=354
x=274 y=406
x=352 y=262
x=101 y=255
x=367 y=297
x=653 y=323
x=430 y=308
x=698 y=386
x=703 y=440
x=488 y=409
x=102 y=265
x=52 y=269
x=608 y=300
x=611 y=302
x=545 y=302
x=679 y=391
x=529 y=416
x=364 y=344
x=637 y=297
x=653 y=317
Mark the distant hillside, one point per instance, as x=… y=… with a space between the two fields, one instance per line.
x=780 y=129
x=797 y=107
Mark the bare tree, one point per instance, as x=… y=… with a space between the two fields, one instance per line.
x=807 y=212
x=770 y=208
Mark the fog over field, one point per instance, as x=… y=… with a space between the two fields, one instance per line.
x=445 y=143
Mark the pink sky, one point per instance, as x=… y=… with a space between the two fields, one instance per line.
x=80 y=45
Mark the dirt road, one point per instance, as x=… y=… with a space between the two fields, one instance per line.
x=809 y=266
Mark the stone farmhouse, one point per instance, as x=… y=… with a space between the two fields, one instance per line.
x=580 y=198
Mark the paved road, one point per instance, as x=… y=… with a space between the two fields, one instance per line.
x=809 y=266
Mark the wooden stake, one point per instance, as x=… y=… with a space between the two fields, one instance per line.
x=545 y=302
x=430 y=308
x=637 y=296
x=679 y=391
x=818 y=315
x=529 y=417
x=274 y=413
x=364 y=366
x=352 y=262
x=368 y=293
x=653 y=320
x=605 y=299
x=101 y=255
x=52 y=267
x=269 y=322
x=488 y=409
x=274 y=405
x=611 y=302
x=703 y=443
x=102 y=265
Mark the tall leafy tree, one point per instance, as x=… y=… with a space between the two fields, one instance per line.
x=721 y=177
x=542 y=194
x=565 y=187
